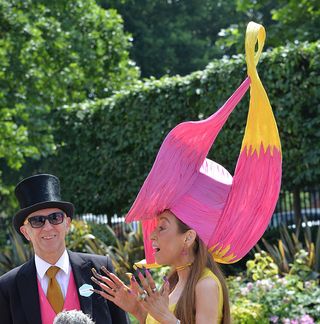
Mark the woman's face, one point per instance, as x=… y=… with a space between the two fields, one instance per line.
x=167 y=242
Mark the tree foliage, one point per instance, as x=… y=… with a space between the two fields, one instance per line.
x=181 y=36
x=108 y=147
x=173 y=37
x=285 y=20
x=54 y=53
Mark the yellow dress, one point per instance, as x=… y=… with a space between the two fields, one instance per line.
x=206 y=273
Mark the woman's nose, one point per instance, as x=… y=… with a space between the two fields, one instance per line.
x=153 y=235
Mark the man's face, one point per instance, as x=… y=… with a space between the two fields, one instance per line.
x=48 y=241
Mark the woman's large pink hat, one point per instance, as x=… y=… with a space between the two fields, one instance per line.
x=229 y=214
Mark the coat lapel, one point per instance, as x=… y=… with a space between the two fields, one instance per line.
x=28 y=290
x=82 y=274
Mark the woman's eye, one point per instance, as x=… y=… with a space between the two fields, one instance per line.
x=161 y=228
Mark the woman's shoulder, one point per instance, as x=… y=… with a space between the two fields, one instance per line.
x=207 y=287
x=208 y=281
x=208 y=298
x=209 y=292
x=207 y=273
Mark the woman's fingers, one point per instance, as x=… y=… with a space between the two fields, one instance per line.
x=112 y=276
x=103 y=294
x=143 y=280
x=96 y=274
x=151 y=281
x=111 y=285
x=105 y=287
x=166 y=289
x=108 y=281
x=134 y=285
x=165 y=279
x=146 y=283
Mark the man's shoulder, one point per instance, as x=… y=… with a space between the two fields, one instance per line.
x=12 y=274
x=103 y=259
x=90 y=260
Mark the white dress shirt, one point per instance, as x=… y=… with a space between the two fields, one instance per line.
x=62 y=276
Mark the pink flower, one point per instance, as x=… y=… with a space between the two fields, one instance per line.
x=244 y=291
x=306 y=319
x=274 y=319
x=249 y=286
x=307 y=284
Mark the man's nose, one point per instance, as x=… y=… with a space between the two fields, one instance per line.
x=47 y=224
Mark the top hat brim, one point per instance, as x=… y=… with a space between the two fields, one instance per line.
x=21 y=215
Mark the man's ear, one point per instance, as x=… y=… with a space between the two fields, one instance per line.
x=24 y=231
x=68 y=223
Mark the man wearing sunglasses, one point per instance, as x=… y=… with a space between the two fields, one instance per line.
x=49 y=283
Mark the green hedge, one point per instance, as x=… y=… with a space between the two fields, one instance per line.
x=108 y=147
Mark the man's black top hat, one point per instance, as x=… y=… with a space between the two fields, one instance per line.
x=39 y=192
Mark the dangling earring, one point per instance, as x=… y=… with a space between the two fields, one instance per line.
x=184 y=250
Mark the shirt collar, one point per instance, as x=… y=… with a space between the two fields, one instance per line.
x=42 y=266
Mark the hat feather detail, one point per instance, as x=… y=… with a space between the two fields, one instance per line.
x=179 y=159
x=257 y=179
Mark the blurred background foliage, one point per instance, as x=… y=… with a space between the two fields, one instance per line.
x=53 y=53
x=285 y=244
x=178 y=37
x=263 y=296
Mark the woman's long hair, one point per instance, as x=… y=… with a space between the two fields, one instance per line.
x=185 y=309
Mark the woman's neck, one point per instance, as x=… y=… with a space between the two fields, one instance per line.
x=183 y=271
x=183 y=275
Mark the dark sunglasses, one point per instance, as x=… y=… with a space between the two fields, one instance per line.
x=39 y=220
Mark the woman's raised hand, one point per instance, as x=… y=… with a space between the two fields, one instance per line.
x=119 y=293
x=154 y=301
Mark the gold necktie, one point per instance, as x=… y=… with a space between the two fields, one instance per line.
x=54 y=293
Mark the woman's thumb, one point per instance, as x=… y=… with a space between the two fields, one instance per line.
x=166 y=288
